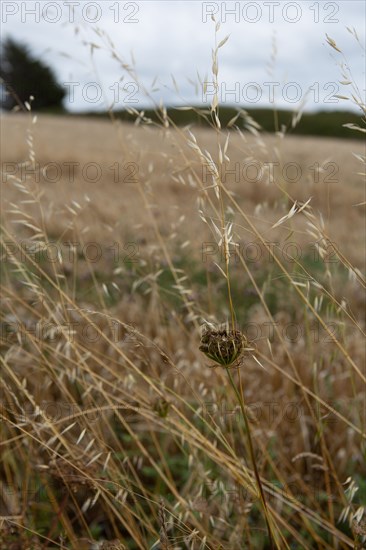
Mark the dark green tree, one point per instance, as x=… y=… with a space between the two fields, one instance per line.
x=23 y=76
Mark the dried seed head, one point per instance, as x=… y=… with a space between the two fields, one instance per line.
x=359 y=527
x=68 y=476
x=222 y=346
x=161 y=407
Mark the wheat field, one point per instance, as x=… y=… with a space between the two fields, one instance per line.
x=120 y=242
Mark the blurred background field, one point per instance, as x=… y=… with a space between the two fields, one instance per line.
x=144 y=261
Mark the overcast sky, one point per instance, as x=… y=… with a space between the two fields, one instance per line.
x=176 y=38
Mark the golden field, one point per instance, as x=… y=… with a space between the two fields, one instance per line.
x=120 y=242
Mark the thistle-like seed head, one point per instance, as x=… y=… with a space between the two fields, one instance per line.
x=222 y=346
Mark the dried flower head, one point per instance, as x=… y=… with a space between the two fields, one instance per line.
x=161 y=407
x=222 y=346
x=66 y=475
x=359 y=527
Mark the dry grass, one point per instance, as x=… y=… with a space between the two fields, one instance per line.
x=161 y=156
x=114 y=426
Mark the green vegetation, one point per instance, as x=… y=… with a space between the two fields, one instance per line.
x=321 y=123
x=28 y=80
